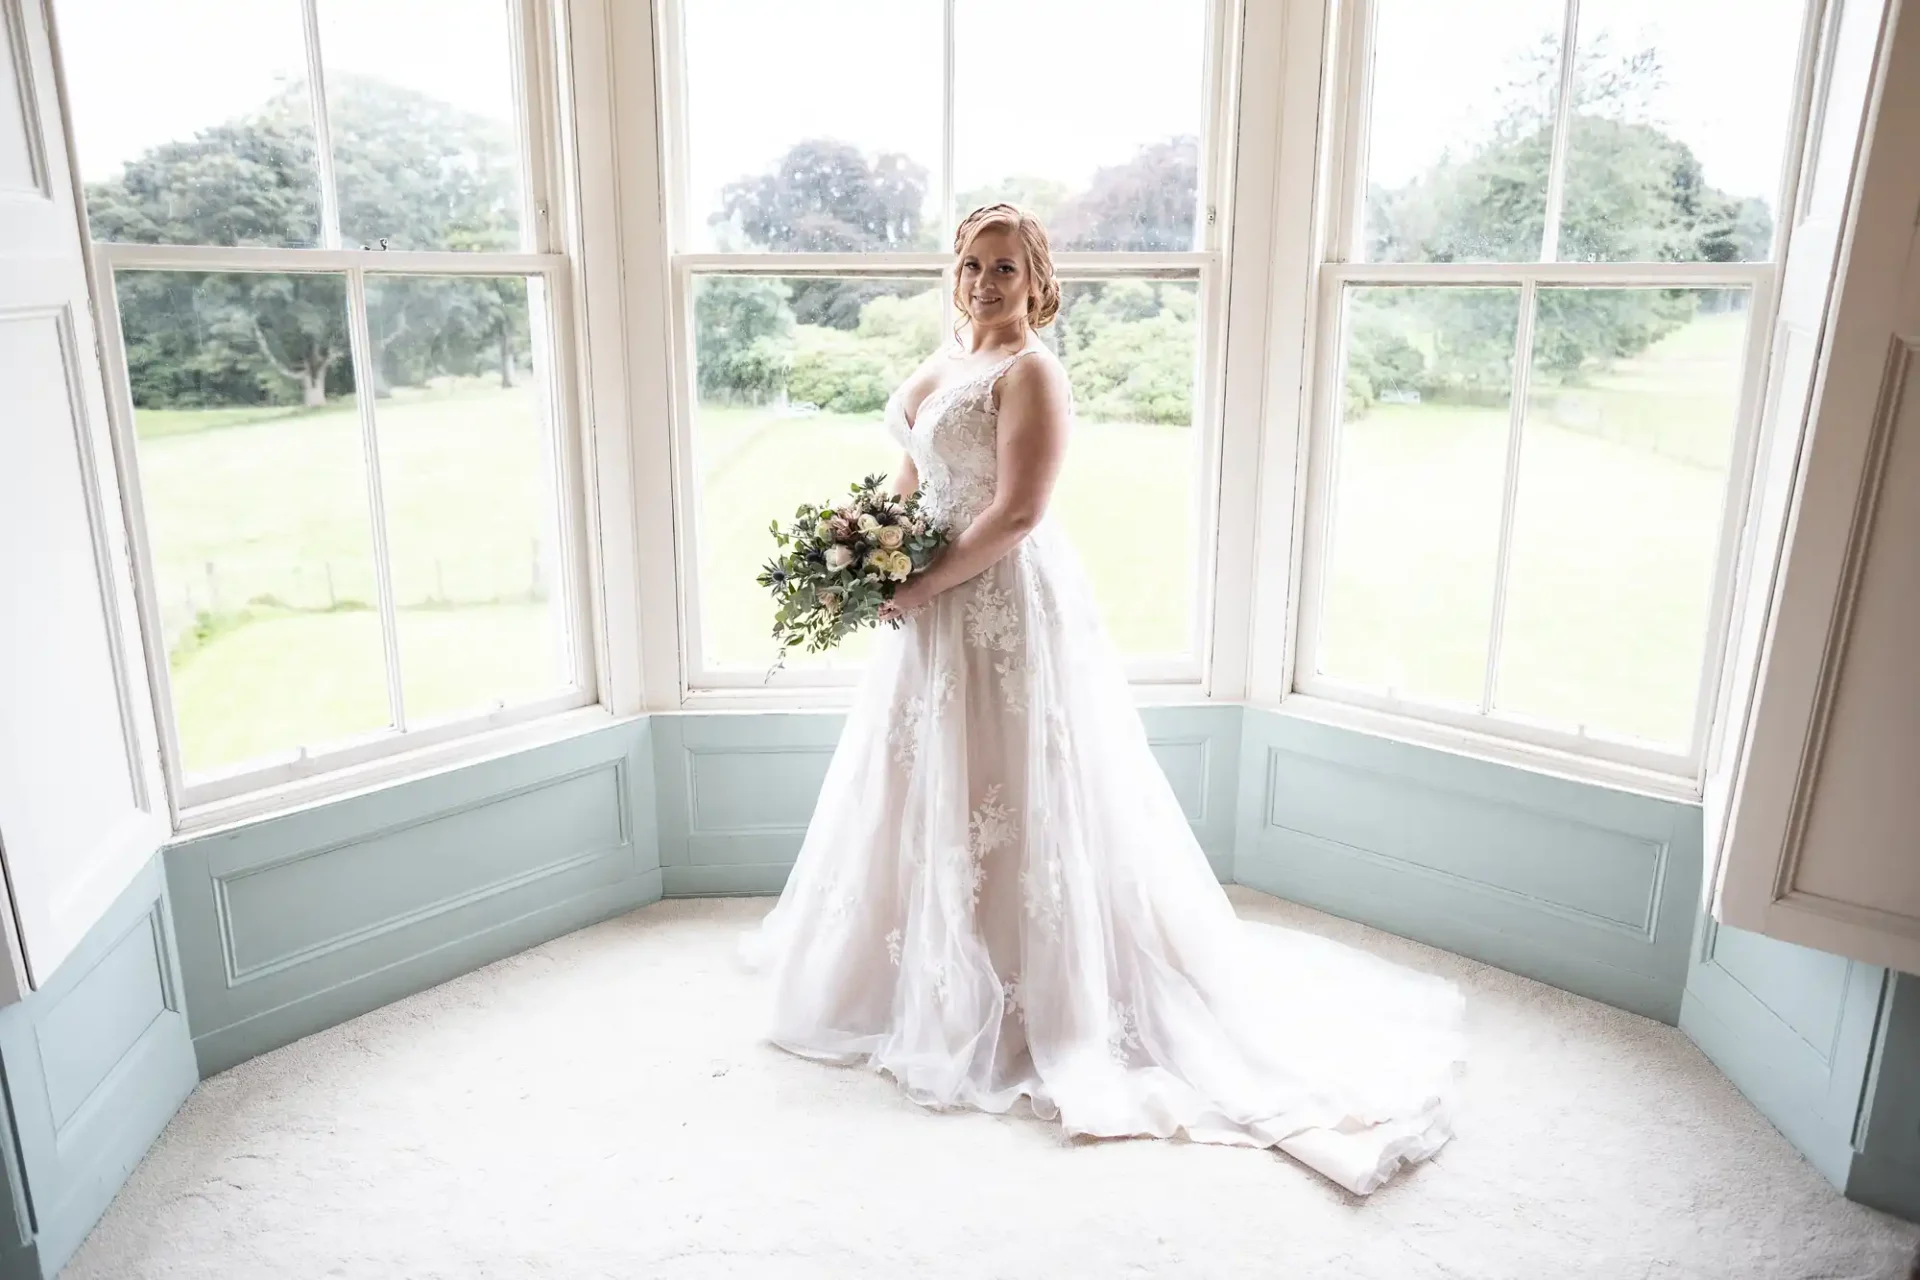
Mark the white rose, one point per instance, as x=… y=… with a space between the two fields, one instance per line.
x=891 y=537
x=899 y=565
x=868 y=524
x=839 y=557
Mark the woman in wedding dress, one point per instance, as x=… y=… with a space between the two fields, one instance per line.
x=999 y=896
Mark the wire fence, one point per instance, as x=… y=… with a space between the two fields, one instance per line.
x=231 y=591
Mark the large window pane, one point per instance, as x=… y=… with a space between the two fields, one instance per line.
x=1623 y=472
x=1679 y=126
x=467 y=474
x=1461 y=129
x=1104 y=144
x=1419 y=466
x=193 y=120
x=1126 y=495
x=811 y=130
x=254 y=484
x=789 y=411
x=420 y=103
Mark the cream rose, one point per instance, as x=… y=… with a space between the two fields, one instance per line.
x=891 y=537
x=899 y=565
x=868 y=524
x=839 y=558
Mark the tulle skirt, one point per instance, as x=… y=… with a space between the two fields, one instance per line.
x=1000 y=898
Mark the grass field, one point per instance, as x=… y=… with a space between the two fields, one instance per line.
x=261 y=533
x=1124 y=499
x=263 y=550
x=1616 y=528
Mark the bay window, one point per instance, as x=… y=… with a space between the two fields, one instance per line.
x=1543 y=304
x=1472 y=455
x=809 y=247
x=334 y=320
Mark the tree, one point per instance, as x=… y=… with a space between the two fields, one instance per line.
x=1632 y=193
x=743 y=327
x=1042 y=197
x=424 y=172
x=1129 y=349
x=1146 y=205
x=824 y=197
x=419 y=173
x=246 y=182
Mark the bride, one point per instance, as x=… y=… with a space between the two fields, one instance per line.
x=999 y=896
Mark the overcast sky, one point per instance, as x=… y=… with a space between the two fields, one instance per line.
x=1054 y=88
x=1437 y=65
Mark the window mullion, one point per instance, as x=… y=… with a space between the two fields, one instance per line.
x=364 y=381
x=949 y=215
x=1562 y=129
x=1510 y=487
x=533 y=113
x=1347 y=241
x=322 y=129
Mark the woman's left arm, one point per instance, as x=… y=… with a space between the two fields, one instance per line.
x=1032 y=444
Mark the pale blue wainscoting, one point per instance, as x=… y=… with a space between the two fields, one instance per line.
x=736 y=789
x=96 y=1062
x=1826 y=1048
x=1886 y=1168
x=1581 y=886
x=256 y=936
x=303 y=921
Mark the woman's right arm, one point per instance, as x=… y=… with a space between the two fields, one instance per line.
x=905 y=478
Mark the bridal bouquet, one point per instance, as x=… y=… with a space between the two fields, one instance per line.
x=838 y=564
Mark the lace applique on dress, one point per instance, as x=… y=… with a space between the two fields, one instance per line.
x=990 y=827
x=1013 y=998
x=955 y=446
x=1040 y=886
x=907 y=732
x=1013 y=681
x=993 y=622
x=1123 y=1031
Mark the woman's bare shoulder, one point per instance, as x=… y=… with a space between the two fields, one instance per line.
x=1037 y=380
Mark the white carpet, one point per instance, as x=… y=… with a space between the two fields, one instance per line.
x=599 y=1108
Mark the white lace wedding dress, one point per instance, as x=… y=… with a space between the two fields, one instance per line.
x=999 y=896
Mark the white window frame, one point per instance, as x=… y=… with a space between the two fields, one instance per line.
x=1155 y=679
x=1325 y=240
x=563 y=111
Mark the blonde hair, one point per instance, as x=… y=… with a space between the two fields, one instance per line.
x=1043 y=293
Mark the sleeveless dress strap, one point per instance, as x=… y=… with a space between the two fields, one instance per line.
x=992 y=376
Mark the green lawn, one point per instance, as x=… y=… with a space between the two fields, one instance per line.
x=262 y=526
x=1123 y=500
x=1616 y=529
x=284 y=679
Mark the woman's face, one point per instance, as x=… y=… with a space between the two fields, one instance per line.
x=993 y=278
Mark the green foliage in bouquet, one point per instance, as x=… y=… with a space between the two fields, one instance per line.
x=839 y=563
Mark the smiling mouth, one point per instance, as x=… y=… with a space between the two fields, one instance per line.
x=986 y=302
